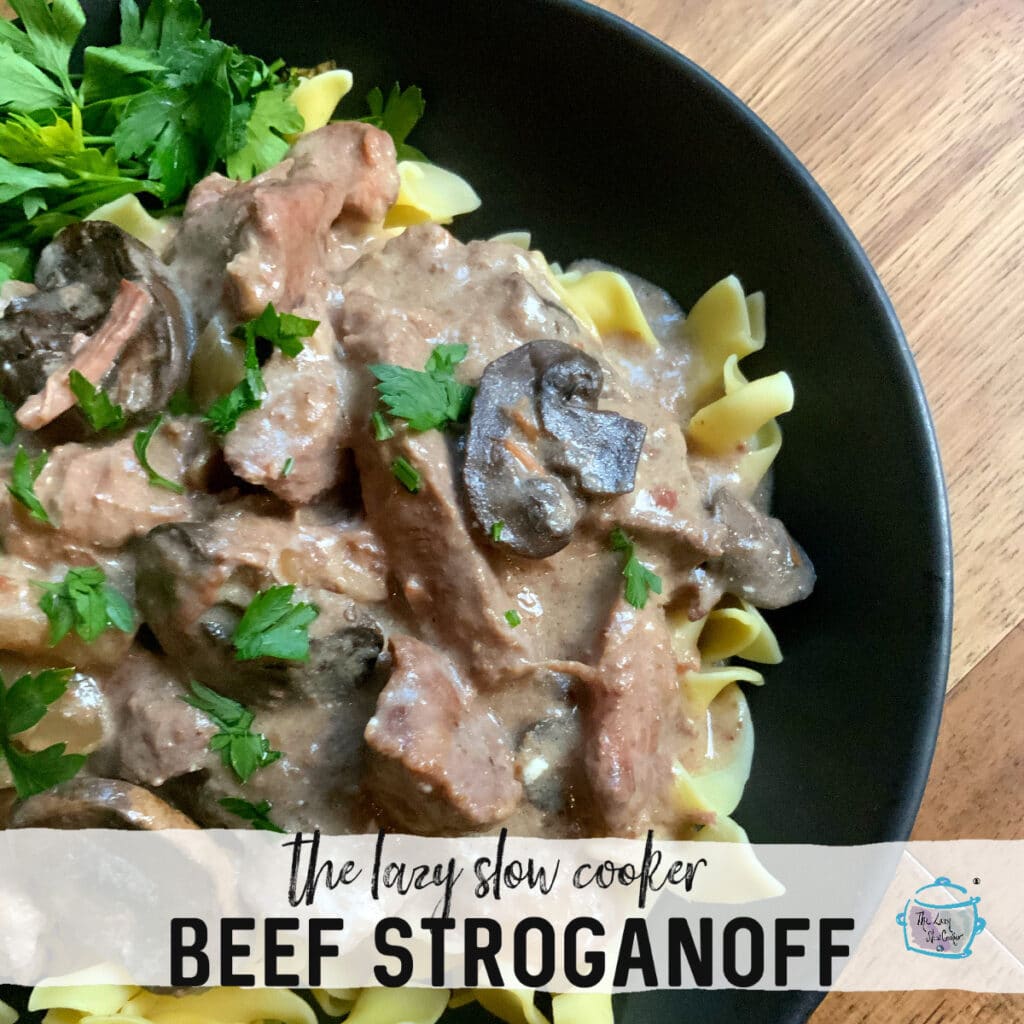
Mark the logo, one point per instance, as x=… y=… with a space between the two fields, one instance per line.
x=940 y=919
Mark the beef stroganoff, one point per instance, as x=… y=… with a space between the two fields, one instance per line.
x=320 y=518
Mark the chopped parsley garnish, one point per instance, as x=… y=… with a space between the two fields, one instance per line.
x=247 y=394
x=241 y=749
x=640 y=581
x=496 y=530
x=289 y=465
x=8 y=424
x=283 y=331
x=397 y=115
x=86 y=603
x=513 y=618
x=407 y=474
x=23 y=705
x=273 y=627
x=430 y=398
x=258 y=814
x=99 y=410
x=24 y=474
x=381 y=430
x=141 y=446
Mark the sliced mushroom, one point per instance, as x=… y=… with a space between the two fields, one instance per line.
x=760 y=561
x=192 y=591
x=97 y=803
x=538 y=445
x=106 y=306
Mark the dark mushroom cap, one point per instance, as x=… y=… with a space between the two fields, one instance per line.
x=97 y=803
x=78 y=276
x=193 y=597
x=538 y=445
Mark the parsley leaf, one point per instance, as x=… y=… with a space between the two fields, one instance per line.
x=497 y=529
x=283 y=330
x=85 y=602
x=513 y=618
x=43 y=43
x=241 y=749
x=8 y=424
x=640 y=581
x=141 y=447
x=23 y=705
x=274 y=627
x=99 y=410
x=289 y=465
x=430 y=398
x=272 y=116
x=247 y=394
x=24 y=474
x=258 y=814
x=15 y=262
x=397 y=115
x=407 y=474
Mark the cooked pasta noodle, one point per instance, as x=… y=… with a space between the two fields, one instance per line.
x=399 y=1006
x=429 y=193
x=582 y=1008
x=131 y=216
x=519 y=238
x=738 y=630
x=606 y=300
x=335 y=1002
x=763 y=446
x=724 y=322
x=732 y=420
x=514 y=1006
x=719 y=790
x=315 y=98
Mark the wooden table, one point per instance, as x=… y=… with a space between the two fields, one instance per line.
x=910 y=113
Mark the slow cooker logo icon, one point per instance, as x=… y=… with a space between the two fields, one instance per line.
x=940 y=919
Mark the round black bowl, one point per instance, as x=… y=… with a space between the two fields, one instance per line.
x=606 y=143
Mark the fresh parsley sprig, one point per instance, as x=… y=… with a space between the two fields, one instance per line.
x=398 y=114
x=427 y=399
x=284 y=331
x=272 y=626
x=24 y=473
x=640 y=581
x=23 y=705
x=84 y=602
x=141 y=448
x=99 y=410
x=258 y=814
x=241 y=749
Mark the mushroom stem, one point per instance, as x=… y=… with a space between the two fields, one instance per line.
x=93 y=357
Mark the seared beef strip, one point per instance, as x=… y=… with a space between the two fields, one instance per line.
x=442 y=762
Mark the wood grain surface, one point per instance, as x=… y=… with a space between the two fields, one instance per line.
x=910 y=113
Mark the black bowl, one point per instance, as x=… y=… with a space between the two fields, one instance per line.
x=606 y=143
